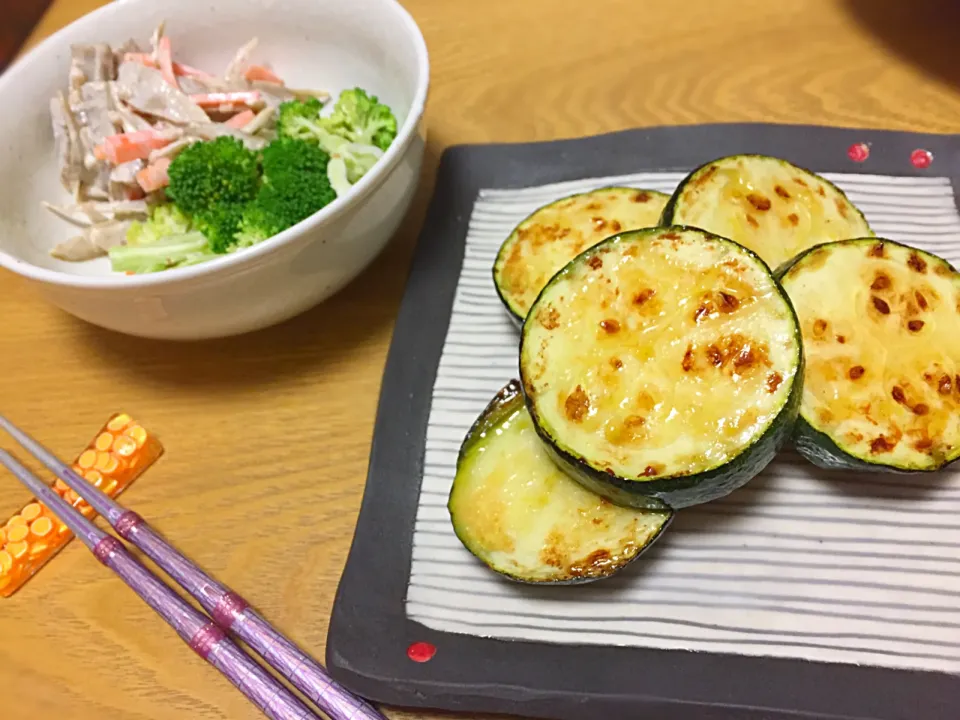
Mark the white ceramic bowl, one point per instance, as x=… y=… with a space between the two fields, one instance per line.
x=327 y=44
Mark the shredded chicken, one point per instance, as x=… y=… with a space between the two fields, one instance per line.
x=77 y=249
x=272 y=93
x=116 y=209
x=195 y=85
x=211 y=131
x=95 y=242
x=155 y=40
x=99 y=187
x=123 y=179
x=145 y=90
x=260 y=121
x=68 y=215
x=66 y=137
x=91 y=63
x=130 y=46
x=109 y=234
x=173 y=149
x=93 y=107
x=234 y=74
x=90 y=213
x=305 y=94
x=123 y=115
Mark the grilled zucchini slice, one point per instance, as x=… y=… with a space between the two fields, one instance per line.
x=517 y=512
x=556 y=233
x=881 y=332
x=663 y=367
x=767 y=204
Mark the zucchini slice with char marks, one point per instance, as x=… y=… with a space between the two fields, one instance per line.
x=517 y=512
x=556 y=233
x=881 y=333
x=769 y=205
x=663 y=367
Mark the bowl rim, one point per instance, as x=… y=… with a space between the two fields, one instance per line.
x=240 y=260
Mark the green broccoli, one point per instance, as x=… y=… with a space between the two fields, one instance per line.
x=356 y=117
x=285 y=159
x=163 y=221
x=256 y=225
x=295 y=118
x=295 y=186
x=207 y=175
x=362 y=119
x=225 y=197
x=337 y=175
x=358 y=131
x=162 y=254
x=357 y=158
x=220 y=225
x=212 y=182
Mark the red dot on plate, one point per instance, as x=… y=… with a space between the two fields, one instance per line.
x=921 y=159
x=421 y=652
x=858 y=152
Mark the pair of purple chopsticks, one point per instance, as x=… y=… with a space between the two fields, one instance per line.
x=228 y=610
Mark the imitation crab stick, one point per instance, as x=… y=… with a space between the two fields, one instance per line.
x=118 y=455
x=240 y=120
x=154 y=176
x=261 y=72
x=118 y=149
x=165 y=60
x=178 y=68
x=247 y=98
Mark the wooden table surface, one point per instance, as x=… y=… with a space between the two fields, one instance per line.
x=267 y=435
x=19 y=19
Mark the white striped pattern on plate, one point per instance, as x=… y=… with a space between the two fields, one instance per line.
x=800 y=563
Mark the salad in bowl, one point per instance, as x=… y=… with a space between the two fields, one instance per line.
x=169 y=165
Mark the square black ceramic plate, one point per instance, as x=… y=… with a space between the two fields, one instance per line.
x=370 y=633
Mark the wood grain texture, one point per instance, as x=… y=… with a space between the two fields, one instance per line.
x=267 y=435
x=19 y=19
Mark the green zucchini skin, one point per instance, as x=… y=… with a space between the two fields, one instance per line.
x=676 y=491
x=587 y=217
x=499 y=407
x=818 y=447
x=514 y=316
x=587 y=567
x=672 y=210
x=679 y=492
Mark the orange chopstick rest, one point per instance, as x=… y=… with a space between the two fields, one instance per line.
x=118 y=455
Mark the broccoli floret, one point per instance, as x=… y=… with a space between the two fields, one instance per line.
x=256 y=225
x=357 y=117
x=207 y=175
x=285 y=159
x=363 y=119
x=295 y=186
x=213 y=181
x=337 y=175
x=163 y=221
x=162 y=254
x=295 y=117
x=301 y=120
x=358 y=159
x=220 y=225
